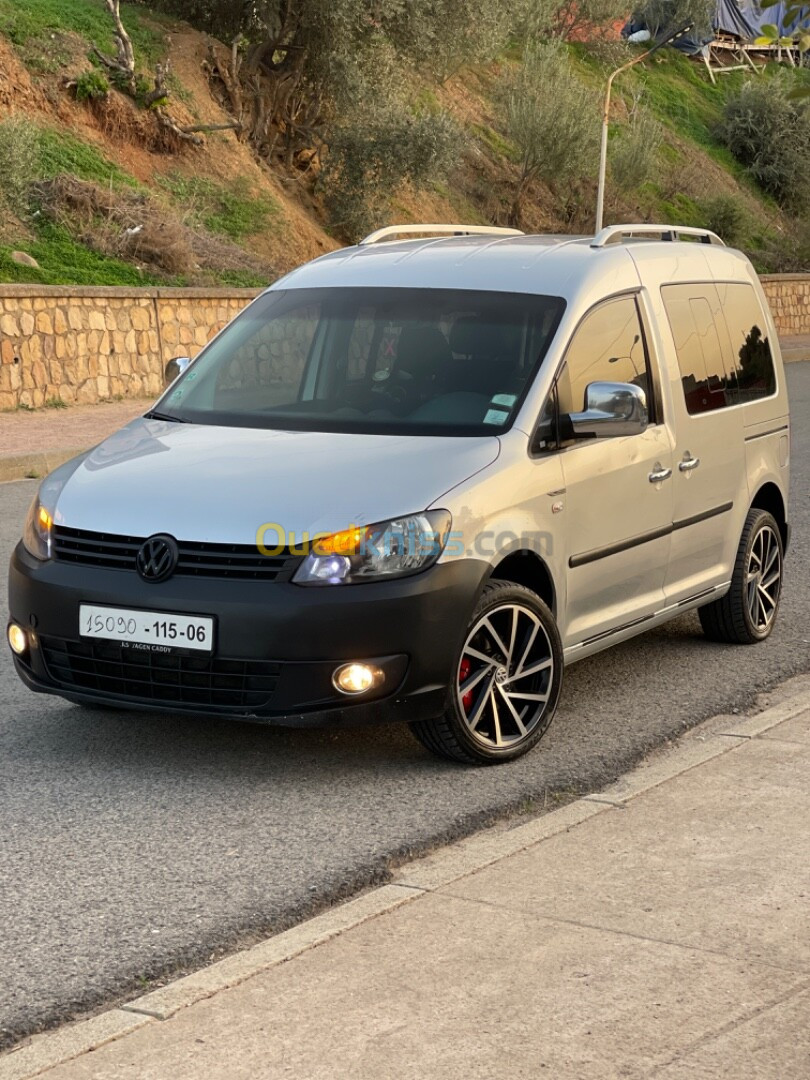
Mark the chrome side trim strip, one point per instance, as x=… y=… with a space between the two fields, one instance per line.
x=655 y=617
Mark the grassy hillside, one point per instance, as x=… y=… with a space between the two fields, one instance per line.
x=97 y=193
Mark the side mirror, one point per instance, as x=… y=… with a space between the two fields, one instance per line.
x=175 y=367
x=611 y=409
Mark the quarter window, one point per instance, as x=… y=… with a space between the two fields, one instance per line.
x=751 y=358
x=723 y=354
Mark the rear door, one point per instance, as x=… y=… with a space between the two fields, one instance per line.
x=618 y=491
x=709 y=481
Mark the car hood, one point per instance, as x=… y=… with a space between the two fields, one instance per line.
x=222 y=484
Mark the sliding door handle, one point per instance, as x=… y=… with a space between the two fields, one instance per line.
x=659 y=473
x=688 y=462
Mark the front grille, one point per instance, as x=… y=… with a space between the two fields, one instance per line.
x=111 y=668
x=114 y=552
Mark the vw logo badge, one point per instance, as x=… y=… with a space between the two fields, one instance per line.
x=157 y=558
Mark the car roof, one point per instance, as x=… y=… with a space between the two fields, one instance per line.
x=552 y=265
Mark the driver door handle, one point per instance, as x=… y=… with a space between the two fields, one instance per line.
x=659 y=473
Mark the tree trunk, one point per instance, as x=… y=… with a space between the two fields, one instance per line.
x=122 y=66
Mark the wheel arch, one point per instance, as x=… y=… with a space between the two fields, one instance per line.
x=770 y=498
x=526 y=567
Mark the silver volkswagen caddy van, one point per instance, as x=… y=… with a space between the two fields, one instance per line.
x=416 y=478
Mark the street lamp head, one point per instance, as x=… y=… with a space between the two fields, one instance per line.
x=673 y=35
x=665 y=40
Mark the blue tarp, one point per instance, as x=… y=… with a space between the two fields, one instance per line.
x=743 y=20
x=776 y=15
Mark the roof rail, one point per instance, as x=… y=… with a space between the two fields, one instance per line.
x=440 y=230
x=615 y=234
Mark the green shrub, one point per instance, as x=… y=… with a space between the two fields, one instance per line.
x=769 y=133
x=19 y=161
x=553 y=120
x=91 y=86
x=725 y=215
x=634 y=151
x=381 y=147
x=786 y=253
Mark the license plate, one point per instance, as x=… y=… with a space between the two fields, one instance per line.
x=158 y=631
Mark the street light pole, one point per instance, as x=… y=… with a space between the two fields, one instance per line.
x=600 y=195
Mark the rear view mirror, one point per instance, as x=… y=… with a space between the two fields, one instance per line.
x=611 y=409
x=175 y=367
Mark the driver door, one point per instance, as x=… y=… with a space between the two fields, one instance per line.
x=618 y=491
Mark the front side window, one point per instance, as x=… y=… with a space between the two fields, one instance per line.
x=608 y=346
x=376 y=360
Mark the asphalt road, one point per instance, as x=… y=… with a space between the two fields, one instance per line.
x=134 y=846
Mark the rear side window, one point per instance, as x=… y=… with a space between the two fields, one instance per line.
x=723 y=354
x=750 y=348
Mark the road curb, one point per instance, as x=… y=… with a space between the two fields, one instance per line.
x=720 y=735
x=795 y=356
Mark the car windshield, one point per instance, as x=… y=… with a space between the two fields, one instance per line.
x=371 y=360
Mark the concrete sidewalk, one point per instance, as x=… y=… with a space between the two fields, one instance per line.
x=34 y=443
x=658 y=929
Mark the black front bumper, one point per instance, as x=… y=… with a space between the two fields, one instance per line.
x=276 y=648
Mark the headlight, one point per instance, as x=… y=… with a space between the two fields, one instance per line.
x=388 y=549
x=38 y=530
x=37 y=534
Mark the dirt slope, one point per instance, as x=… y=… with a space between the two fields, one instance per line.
x=123 y=134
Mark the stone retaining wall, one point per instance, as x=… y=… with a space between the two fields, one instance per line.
x=82 y=344
x=789 y=297
x=100 y=344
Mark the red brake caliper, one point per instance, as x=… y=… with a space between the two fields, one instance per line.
x=464 y=673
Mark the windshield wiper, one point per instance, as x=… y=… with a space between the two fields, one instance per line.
x=155 y=415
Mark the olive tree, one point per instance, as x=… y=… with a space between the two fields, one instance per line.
x=292 y=68
x=662 y=16
x=770 y=135
x=553 y=120
x=569 y=19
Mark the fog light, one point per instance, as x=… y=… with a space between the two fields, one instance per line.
x=357 y=678
x=17 y=639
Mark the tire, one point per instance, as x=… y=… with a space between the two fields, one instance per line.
x=747 y=613
x=511 y=641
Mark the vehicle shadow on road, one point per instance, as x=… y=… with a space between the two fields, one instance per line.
x=599 y=694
